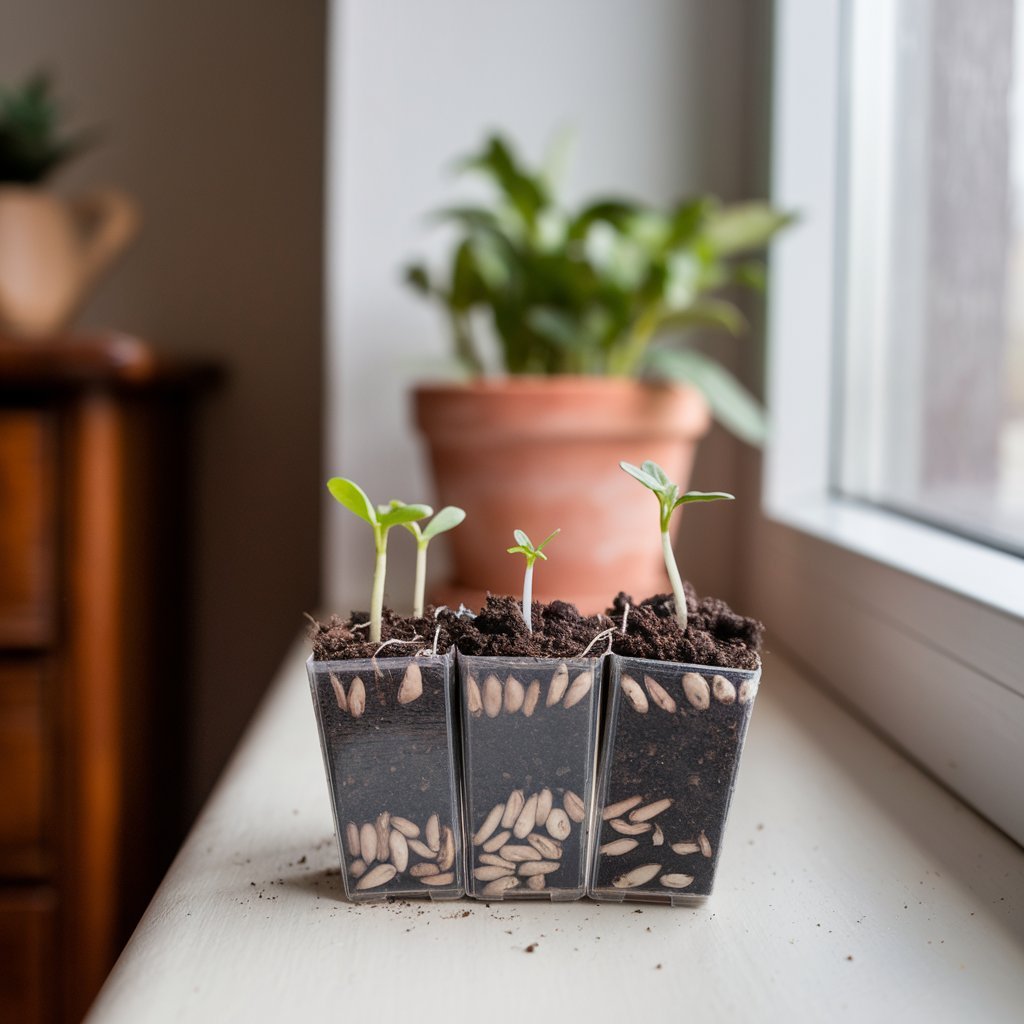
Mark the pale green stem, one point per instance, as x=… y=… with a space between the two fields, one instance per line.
x=673 y=577
x=528 y=596
x=421 y=579
x=377 y=597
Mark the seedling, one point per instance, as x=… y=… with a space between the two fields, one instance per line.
x=381 y=518
x=524 y=546
x=447 y=519
x=653 y=477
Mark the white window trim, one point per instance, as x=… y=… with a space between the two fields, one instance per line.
x=921 y=631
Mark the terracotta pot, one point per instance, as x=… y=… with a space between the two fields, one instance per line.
x=52 y=251
x=536 y=453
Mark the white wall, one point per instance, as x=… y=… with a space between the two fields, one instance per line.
x=658 y=92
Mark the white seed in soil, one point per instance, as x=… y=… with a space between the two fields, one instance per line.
x=357 y=867
x=558 y=824
x=634 y=694
x=617 y=847
x=705 y=844
x=380 y=875
x=558 y=685
x=527 y=818
x=676 y=881
x=486 y=830
x=651 y=810
x=748 y=688
x=412 y=684
x=368 y=843
x=638 y=876
x=489 y=872
x=432 y=833
x=408 y=828
x=619 y=808
x=399 y=847
x=697 y=691
x=424 y=868
x=536 y=882
x=356 y=698
x=544 y=802
x=531 y=699
x=518 y=854
x=499 y=886
x=383 y=834
x=684 y=849
x=723 y=690
x=514 y=695
x=474 y=701
x=549 y=849
x=538 y=867
x=446 y=857
x=492 y=696
x=580 y=687
x=497 y=842
x=421 y=849
x=628 y=828
x=513 y=808
x=660 y=695
x=495 y=861
x=444 y=879
x=339 y=692
x=658 y=839
x=573 y=806
x=352 y=839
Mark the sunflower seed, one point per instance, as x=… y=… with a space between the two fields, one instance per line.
x=573 y=806
x=549 y=849
x=638 y=876
x=685 y=848
x=405 y=826
x=616 y=810
x=536 y=882
x=518 y=854
x=651 y=810
x=514 y=695
x=538 y=867
x=544 y=802
x=527 y=818
x=499 y=886
x=357 y=698
x=558 y=824
x=626 y=828
x=446 y=858
x=617 y=847
x=339 y=692
x=489 y=872
x=658 y=839
x=357 y=867
x=724 y=691
x=497 y=842
x=399 y=847
x=659 y=695
x=474 y=701
x=748 y=690
x=424 y=868
x=383 y=834
x=705 y=844
x=412 y=684
x=368 y=843
x=697 y=691
x=676 y=881
x=432 y=833
x=634 y=694
x=513 y=808
x=492 y=696
x=495 y=861
x=380 y=875
x=532 y=696
x=446 y=879
x=490 y=824
x=421 y=849
x=557 y=686
x=352 y=839
x=580 y=688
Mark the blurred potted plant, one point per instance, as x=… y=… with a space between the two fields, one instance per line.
x=52 y=250
x=587 y=308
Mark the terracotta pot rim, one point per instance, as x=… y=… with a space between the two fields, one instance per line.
x=520 y=384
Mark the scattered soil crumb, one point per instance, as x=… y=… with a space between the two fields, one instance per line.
x=530 y=948
x=849 y=958
x=657 y=967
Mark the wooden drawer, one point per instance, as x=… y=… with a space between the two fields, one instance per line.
x=23 y=761
x=27 y=527
x=28 y=969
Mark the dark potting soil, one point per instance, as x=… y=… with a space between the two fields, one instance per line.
x=345 y=639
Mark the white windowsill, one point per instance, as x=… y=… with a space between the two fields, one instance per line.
x=851 y=886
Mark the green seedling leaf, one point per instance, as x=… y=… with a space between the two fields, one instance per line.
x=653 y=469
x=447 y=519
x=399 y=515
x=689 y=496
x=353 y=497
x=649 y=481
x=553 y=533
x=522 y=539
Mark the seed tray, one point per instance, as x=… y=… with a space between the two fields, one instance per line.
x=672 y=742
x=388 y=744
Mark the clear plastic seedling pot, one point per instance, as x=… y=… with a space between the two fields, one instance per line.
x=388 y=744
x=672 y=742
x=529 y=747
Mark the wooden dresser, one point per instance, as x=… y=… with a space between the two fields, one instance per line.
x=94 y=438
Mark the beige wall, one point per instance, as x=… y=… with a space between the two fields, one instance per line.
x=211 y=115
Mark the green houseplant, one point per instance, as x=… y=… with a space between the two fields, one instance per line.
x=593 y=312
